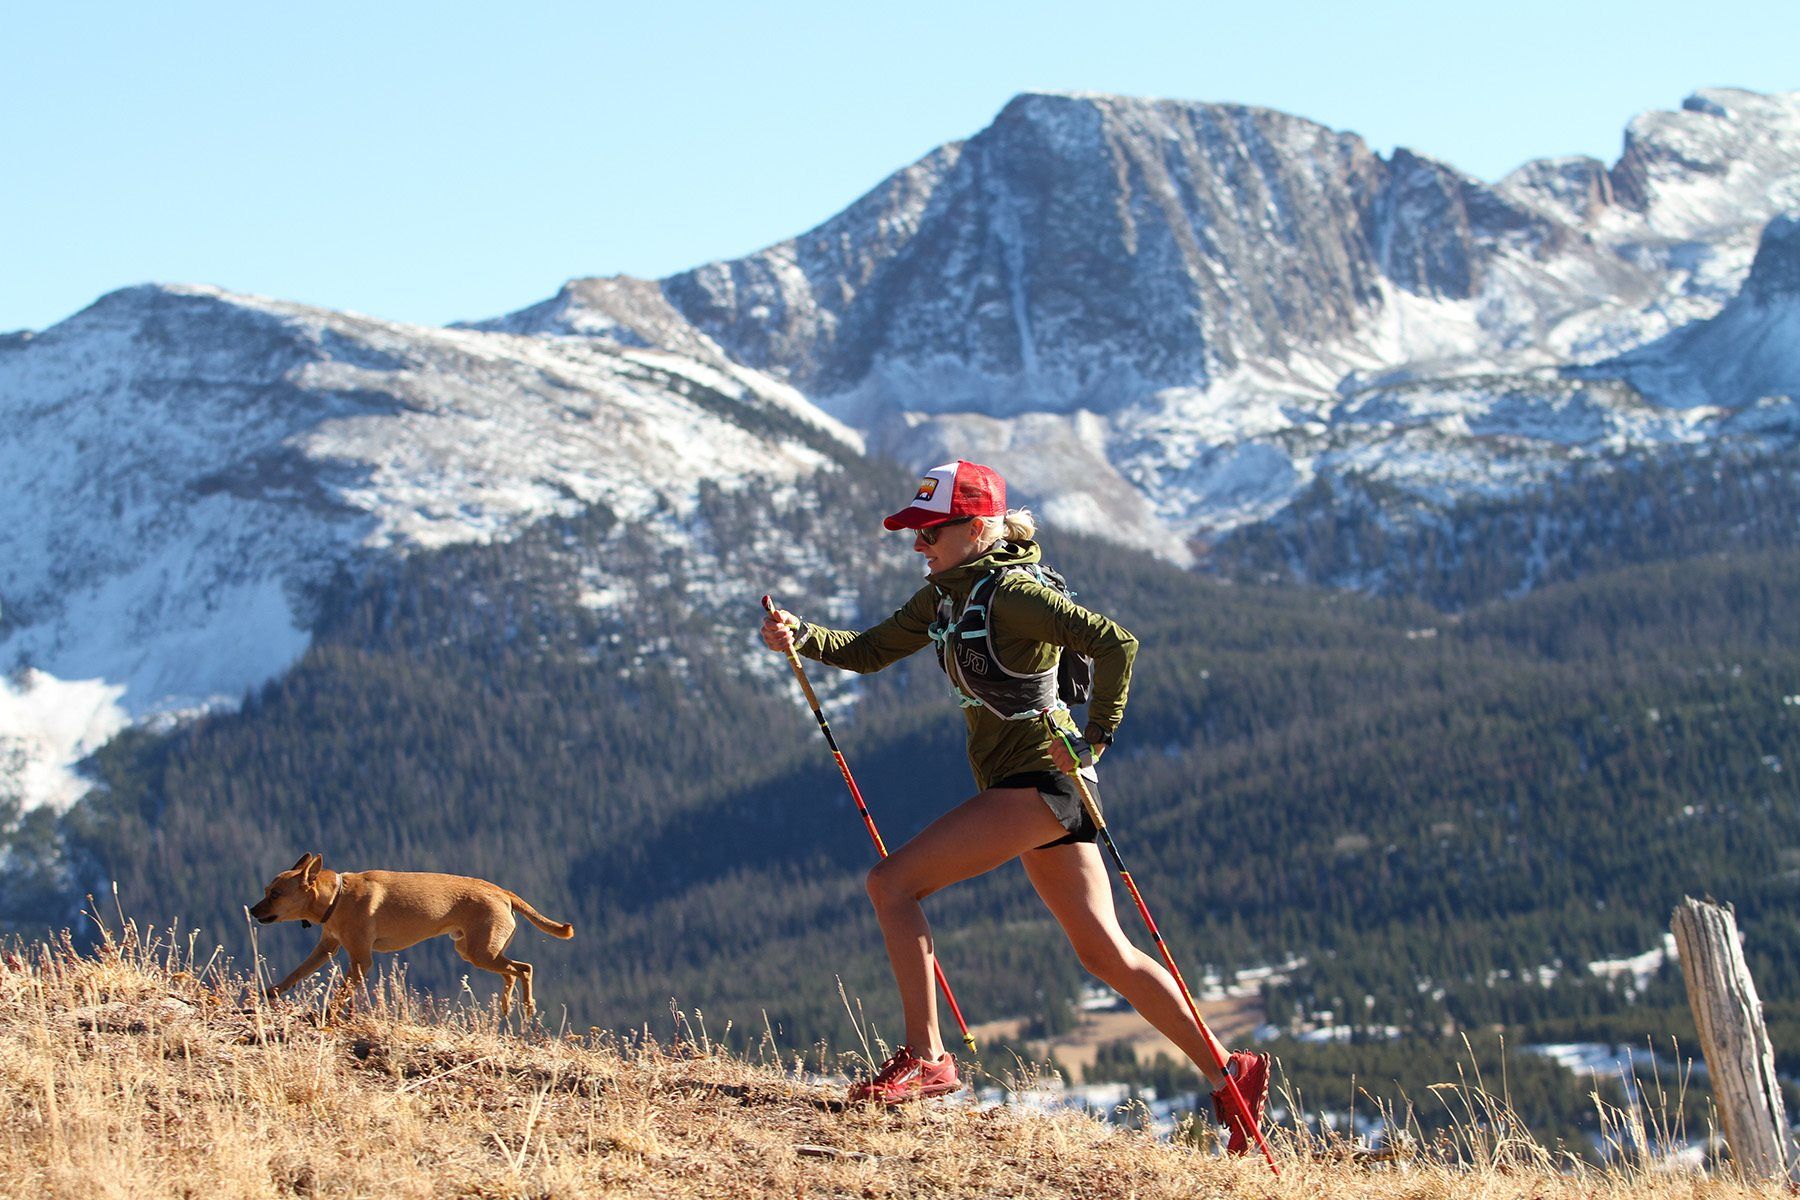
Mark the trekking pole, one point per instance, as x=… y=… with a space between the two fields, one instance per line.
x=1212 y=1043
x=812 y=699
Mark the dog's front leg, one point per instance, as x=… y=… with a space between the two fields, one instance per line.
x=321 y=954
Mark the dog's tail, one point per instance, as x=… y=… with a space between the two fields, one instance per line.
x=553 y=928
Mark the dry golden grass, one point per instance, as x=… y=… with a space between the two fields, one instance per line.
x=135 y=1072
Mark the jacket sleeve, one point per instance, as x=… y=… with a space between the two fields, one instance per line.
x=872 y=649
x=1026 y=608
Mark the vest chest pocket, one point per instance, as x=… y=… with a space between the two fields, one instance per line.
x=965 y=649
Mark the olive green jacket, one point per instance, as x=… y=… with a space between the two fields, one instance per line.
x=1029 y=623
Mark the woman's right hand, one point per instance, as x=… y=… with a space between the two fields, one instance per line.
x=778 y=630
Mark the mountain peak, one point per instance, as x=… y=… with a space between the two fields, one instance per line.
x=1730 y=103
x=1136 y=115
x=143 y=297
x=1037 y=96
x=1775 y=273
x=1737 y=140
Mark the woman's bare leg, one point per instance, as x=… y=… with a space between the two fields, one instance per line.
x=974 y=837
x=1074 y=885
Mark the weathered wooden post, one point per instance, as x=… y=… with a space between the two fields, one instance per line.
x=1740 y=1061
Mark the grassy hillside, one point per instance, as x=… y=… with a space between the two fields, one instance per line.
x=141 y=1070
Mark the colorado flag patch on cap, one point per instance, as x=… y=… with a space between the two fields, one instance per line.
x=954 y=490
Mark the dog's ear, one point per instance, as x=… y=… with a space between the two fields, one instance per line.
x=304 y=858
x=312 y=863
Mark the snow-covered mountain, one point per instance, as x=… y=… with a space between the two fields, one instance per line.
x=1164 y=319
x=185 y=469
x=1745 y=360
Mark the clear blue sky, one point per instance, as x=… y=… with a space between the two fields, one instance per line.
x=434 y=162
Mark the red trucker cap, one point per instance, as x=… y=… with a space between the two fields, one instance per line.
x=958 y=489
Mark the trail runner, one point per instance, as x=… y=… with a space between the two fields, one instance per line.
x=1027 y=806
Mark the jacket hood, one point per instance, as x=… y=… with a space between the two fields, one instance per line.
x=959 y=580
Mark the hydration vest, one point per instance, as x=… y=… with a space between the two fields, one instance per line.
x=965 y=650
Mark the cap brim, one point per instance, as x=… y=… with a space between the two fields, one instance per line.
x=916 y=518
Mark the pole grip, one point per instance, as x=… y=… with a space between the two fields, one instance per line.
x=793 y=658
x=1087 y=799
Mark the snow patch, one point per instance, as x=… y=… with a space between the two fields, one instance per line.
x=47 y=726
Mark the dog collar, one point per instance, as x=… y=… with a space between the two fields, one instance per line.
x=336 y=896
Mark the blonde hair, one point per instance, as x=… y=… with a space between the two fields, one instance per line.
x=1018 y=525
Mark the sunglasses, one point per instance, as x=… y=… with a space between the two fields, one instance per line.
x=930 y=534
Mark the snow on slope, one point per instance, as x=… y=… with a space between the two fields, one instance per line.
x=1745 y=358
x=1162 y=319
x=187 y=468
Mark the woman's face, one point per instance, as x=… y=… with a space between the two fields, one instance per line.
x=956 y=544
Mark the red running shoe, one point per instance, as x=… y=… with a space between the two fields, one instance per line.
x=906 y=1077
x=1251 y=1071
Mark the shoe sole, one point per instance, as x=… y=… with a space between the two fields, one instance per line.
x=925 y=1093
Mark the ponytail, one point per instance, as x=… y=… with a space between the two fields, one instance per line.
x=1020 y=525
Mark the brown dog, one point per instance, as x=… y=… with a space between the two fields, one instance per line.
x=366 y=911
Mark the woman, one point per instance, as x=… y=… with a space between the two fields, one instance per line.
x=1000 y=630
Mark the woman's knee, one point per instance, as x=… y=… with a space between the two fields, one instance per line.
x=1104 y=958
x=886 y=886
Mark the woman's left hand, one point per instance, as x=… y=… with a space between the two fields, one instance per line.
x=1066 y=762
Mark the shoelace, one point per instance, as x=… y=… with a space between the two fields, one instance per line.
x=903 y=1064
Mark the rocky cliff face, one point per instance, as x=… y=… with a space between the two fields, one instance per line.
x=1745 y=361
x=1085 y=248
x=1082 y=242
x=1775 y=273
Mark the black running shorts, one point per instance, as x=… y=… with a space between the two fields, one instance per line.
x=1058 y=791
